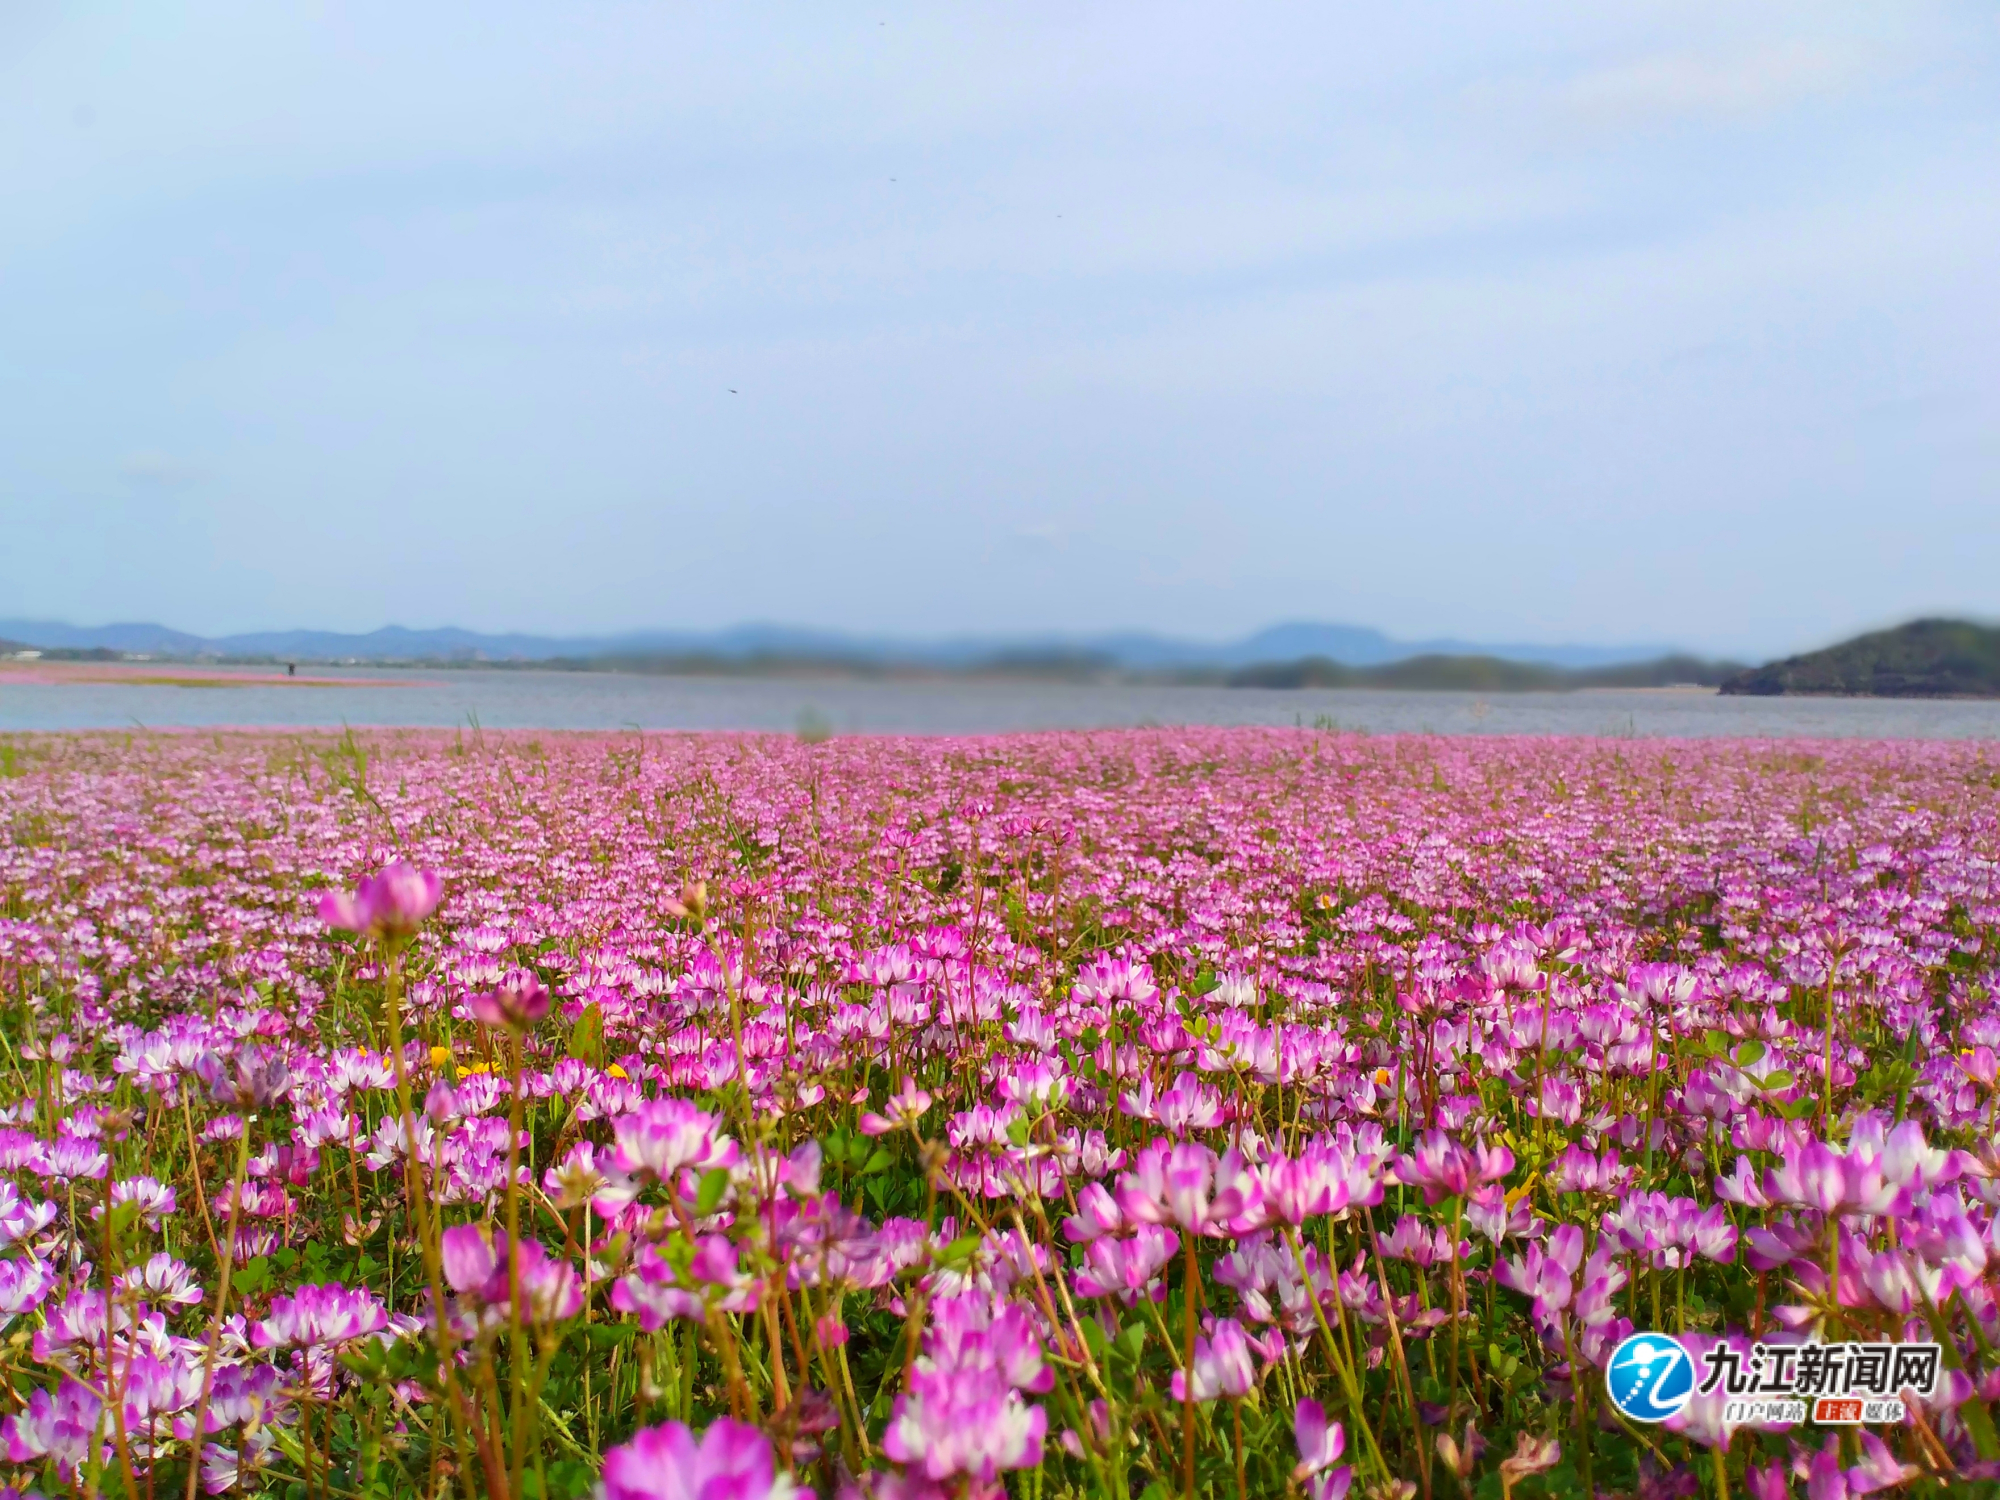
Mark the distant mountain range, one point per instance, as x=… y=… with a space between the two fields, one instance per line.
x=1348 y=645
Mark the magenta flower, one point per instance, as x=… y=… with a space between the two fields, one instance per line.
x=1670 y=1232
x=255 y=1077
x=963 y=1412
x=731 y=1461
x=663 y=1136
x=1126 y=1268
x=1443 y=1168
x=468 y=1256
x=1577 y=1171
x=973 y=1330
x=1222 y=1365
x=1320 y=1444
x=586 y=1175
x=314 y=1315
x=477 y=1269
x=1325 y=1178
x=1097 y=1214
x=1546 y=1275
x=902 y=1109
x=24 y=1284
x=967 y=1422
x=520 y=1002
x=390 y=904
x=656 y=1292
x=60 y=1427
x=1171 y=1185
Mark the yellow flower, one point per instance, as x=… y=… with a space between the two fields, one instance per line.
x=440 y=1056
x=617 y=1072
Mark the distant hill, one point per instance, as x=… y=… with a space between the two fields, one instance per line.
x=1130 y=651
x=1923 y=659
x=1483 y=674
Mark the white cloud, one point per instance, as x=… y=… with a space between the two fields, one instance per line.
x=1683 y=85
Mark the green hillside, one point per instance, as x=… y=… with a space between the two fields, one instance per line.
x=1480 y=674
x=1923 y=659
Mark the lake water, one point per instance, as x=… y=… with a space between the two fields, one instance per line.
x=579 y=700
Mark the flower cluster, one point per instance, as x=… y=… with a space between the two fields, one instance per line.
x=1244 y=1112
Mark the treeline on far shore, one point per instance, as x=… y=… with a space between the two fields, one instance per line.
x=1486 y=674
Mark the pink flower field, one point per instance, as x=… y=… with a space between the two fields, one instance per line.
x=1137 y=1114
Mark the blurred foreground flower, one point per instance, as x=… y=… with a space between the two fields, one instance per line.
x=391 y=904
x=731 y=1461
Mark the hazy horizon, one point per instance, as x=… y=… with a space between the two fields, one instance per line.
x=1000 y=639
x=1666 y=323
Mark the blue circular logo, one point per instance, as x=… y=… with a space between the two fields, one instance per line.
x=1650 y=1377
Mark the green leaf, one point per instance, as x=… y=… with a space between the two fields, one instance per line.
x=586 y=1038
x=249 y=1280
x=714 y=1183
x=124 y=1216
x=878 y=1162
x=1750 y=1053
x=958 y=1254
x=1131 y=1339
x=1094 y=1336
x=1783 y=1078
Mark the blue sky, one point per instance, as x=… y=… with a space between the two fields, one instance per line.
x=1640 y=322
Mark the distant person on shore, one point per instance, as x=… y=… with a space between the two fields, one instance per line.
x=291 y=669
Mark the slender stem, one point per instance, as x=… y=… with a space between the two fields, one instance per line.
x=518 y=1348
x=1187 y=1370
x=221 y=1304
x=427 y=1243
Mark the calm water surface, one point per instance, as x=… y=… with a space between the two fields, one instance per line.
x=576 y=700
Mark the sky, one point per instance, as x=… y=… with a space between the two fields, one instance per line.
x=1643 y=322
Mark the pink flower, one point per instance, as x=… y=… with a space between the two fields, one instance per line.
x=1547 y=1275
x=520 y=1002
x=732 y=1461
x=1326 y=1177
x=1577 y=1171
x=963 y=1412
x=902 y=1109
x=390 y=904
x=1320 y=1444
x=1125 y=1268
x=477 y=1269
x=1170 y=1185
x=314 y=1315
x=1096 y=1215
x=59 y=1427
x=663 y=1136
x=657 y=1293
x=1222 y=1365
x=468 y=1257
x=1445 y=1169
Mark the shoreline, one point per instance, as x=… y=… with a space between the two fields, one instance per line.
x=175 y=674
